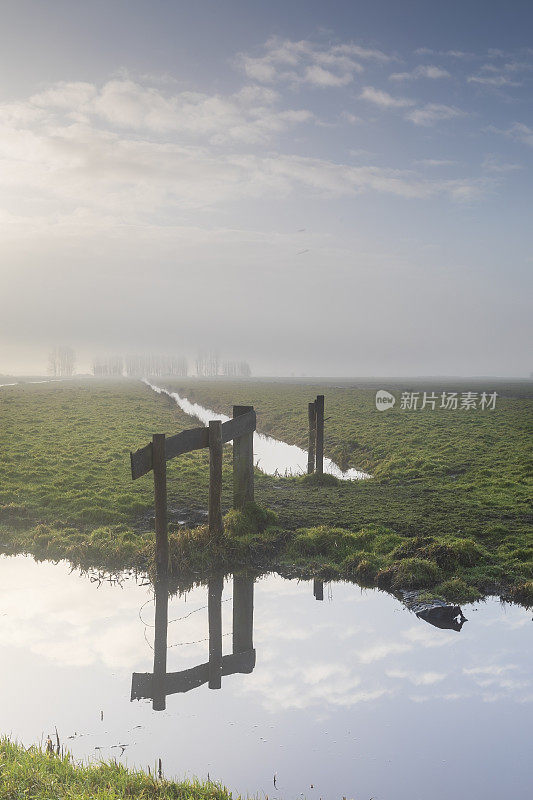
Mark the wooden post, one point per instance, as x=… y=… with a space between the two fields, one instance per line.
x=312 y=438
x=214 y=612
x=160 y=493
x=319 y=405
x=215 y=480
x=243 y=614
x=243 y=464
x=159 y=700
x=318 y=590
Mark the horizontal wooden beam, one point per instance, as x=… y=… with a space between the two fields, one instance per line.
x=193 y=439
x=238 y=426
x=187 y=679
x=141 y=461
x=186 y=441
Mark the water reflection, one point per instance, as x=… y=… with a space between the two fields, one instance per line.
x=160 y=683
x=447 y=617
x=354 y=695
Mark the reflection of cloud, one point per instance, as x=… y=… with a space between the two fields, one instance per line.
x=379 y=651
x=417 y=678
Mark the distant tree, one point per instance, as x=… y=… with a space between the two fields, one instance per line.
x=244 y=369
x=61 y=362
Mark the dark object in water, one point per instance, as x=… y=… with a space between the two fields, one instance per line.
x=450 y=617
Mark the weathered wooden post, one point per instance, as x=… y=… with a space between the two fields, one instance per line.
x=318 y=590
x=159 y=464
x=215 y=480
x=311 y=410
x=243 y=463
x=214 y=612
x=319 y=405
x=243 y=614
x=159 y=699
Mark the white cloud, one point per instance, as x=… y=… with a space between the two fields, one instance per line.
x=491 y=163
x=493 y=80
x=422 y=71
x=251 y=115
x=306 y=62
x=436 y=162
x=384 y=99
x=432 y=113
x=520 y=132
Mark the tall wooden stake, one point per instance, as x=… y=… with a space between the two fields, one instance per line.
x=319 y=404
x=214 y=612
x=312 y=438
x=159 y=699
x=318 y=589
x=243 y=614
x=215 y=479
x=243 y=464
x=160 y=493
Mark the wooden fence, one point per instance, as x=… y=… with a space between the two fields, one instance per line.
x=154 y=456
x=159 y=683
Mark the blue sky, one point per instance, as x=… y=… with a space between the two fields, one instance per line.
x=332 y=189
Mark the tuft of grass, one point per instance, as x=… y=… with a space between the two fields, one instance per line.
x=36 y=775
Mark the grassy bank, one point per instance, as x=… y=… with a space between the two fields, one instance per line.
x=35 y=775
x=447 y=509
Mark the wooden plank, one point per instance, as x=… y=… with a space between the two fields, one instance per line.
x=160 y=497
x=319 y=405
x=214 y=514
x=186 y=441
x=311 y=413
x=141 y=461
x=243 y=463
x=238 y=426
x=142 y=683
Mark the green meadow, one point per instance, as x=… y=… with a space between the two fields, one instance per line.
x=34 y=774
x=447 y=509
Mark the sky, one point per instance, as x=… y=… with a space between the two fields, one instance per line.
x=332 y=189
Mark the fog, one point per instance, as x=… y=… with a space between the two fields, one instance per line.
x=313 y=204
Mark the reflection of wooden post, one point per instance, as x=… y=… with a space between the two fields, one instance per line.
x=312 y=438
x=319 y=404
x=318 y=590
x=243 y=464
x=215 y=479
x=160 y=493
x=160 y=646
x=243 y=614
x=214 y=611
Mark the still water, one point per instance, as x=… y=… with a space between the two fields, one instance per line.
x=272 y=456
x=350 y=696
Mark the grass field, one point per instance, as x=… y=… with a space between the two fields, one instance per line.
x=447 y=508
x=35 y=775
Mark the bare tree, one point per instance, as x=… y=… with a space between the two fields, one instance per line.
x=61 y=362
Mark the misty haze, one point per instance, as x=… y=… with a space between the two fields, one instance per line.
x=266 y=399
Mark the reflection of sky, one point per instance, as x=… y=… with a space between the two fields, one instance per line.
x=354 y=695
x=270 y=455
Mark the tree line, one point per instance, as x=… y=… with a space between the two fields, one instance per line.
x=62 y=360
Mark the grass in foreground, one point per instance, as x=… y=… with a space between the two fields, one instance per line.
x=35 y=775
x=66 y=489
